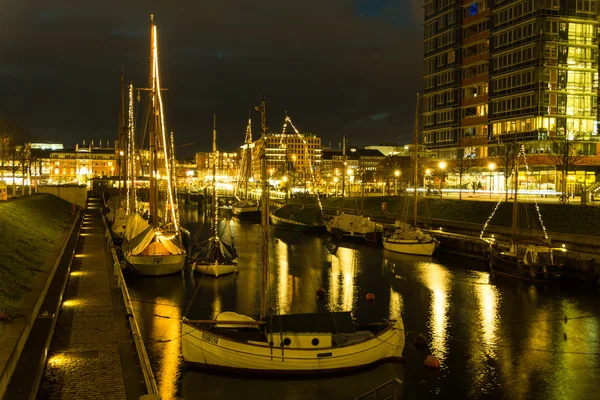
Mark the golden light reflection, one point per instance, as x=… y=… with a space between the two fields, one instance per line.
x=341 y=280
x=57 y=359
x=488 y=299
x=283 y=301
x=167 y=329
x=81 y=255
x=77 y=273
x=72 y=303
x=437 y=279
x=396 y=305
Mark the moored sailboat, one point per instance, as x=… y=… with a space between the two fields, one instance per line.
x=213 y=256
x=313 y=343
x=406 y=238
x=152 y=244
x=246 y=208
x=529 y=258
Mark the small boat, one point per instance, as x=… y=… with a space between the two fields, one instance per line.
x=152 y=244
x=214 y=257
x=246 y=208
x=354 y=226
x=298 y=217
x=313 y=343
x=406 y=238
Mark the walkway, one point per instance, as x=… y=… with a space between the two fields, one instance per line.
x=84 y=361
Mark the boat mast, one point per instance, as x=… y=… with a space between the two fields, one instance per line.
x=214 y=179
x=264 y=208
x=152 y=137
x=515 y=207
x=122 y=134
x=248 y=155
x=343 y=169
x=416 y=165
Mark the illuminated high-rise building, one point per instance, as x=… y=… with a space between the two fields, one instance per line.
x=498 y=71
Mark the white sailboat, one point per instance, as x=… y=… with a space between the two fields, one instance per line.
x=313 y=343
x=246 y=208
x=152 y=244
x=409 y=239
x=214 y=257
x=352 y=226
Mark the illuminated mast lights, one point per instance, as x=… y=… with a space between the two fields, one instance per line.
x=156 y=84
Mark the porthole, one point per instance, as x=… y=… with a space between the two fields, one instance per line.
x=287 y=341
x=315 y=342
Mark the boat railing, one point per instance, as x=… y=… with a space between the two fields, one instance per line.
x=389 y=390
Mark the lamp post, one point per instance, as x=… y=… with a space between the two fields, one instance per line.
x=491 y=167
x=396 y=174
x=442 y=166
x=285 y=179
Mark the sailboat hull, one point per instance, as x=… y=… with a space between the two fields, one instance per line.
x=215 y=270
x=296 y=225
x=206 y=348
x=252 y=213
x=155 y=265
x=535 y=273
x=410 y=246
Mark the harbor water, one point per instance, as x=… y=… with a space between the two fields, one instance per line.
x=495 y=338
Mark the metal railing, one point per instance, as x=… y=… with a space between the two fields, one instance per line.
x=391 y=390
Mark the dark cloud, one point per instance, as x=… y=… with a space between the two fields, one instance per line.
x=327 y=63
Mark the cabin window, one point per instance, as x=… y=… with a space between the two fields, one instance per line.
x=287 y=341
x=315 y=342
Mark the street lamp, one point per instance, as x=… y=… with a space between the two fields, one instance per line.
x=442 y=166
x=491 y=167
x=396 y=174
x=285 y=179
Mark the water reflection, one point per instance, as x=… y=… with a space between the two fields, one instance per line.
x=437 y=279
x=341 y=280
x=502 y=341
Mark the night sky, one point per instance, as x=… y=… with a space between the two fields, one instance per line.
x=339 y=67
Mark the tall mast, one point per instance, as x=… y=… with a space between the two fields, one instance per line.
x=152 y=134
x=515 y=205
x=248 y=155
x=264 y=208
x=214 y=179
x=122 y=134
x=343 y=169
x=416 y=165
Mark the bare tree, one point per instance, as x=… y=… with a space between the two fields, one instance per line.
x=464 y=162
x=507 y=153
x=565 y=156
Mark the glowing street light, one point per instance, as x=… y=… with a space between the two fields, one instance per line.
x=491 y=167
x=442 y=165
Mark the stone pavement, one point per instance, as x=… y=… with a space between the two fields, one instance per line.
x=84 y=361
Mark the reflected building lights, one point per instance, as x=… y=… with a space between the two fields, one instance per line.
x=396 y=305
x=168 y=329
x=437 y=279
x=488 y=300
x=341 y=280
x=283 y=300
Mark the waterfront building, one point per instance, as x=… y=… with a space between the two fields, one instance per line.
x=227 y=165
x=295 y=155
x=525 y=72
x=81 y=164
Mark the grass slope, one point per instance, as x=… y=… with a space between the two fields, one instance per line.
x=29 y=230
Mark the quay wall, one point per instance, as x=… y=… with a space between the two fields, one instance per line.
x=72 y=194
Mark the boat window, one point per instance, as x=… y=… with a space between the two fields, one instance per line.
x=315 y=342
x=545 y=258
x=287 y=341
